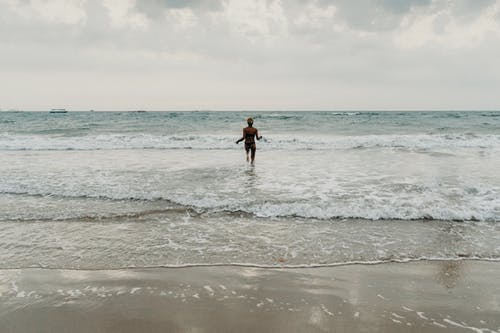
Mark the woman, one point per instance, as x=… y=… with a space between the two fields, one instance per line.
x=249 y=135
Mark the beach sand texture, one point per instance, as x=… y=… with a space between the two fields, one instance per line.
x=440 y=296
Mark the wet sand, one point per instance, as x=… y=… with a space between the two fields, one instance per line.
x=439 y=296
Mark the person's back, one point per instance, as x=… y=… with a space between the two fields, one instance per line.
x=249 y=135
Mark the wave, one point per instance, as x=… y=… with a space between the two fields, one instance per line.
x=257 y=265
x=272 y=142
x=410 y=209
x=107 y=217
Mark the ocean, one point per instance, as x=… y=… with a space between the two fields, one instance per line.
x=111 y=190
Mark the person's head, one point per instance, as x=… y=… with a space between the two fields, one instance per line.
x=250 y=121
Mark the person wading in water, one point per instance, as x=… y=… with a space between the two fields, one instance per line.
x=249 y=135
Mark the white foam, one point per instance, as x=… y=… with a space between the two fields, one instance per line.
x=378 y=184
x=270 y=142
x=325 y=310
x=439 y=325
x=209 y=290
x=397 y=316
x=422 y=315
x=454 y=189
x=474 y=329
x=134 y=290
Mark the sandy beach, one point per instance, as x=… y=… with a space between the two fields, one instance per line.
x=441 y=296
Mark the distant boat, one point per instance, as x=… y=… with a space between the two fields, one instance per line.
x=58 y=111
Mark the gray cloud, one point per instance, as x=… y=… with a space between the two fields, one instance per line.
x=401 y=6
x=465 y=10
x=180 y=3
x=154 y=8
x=467 y=6
x=374 y=14
x=277 y=55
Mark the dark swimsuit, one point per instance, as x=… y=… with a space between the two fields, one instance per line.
x=249 y=142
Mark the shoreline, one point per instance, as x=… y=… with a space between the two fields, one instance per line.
x=263 y=266
x=418 y=296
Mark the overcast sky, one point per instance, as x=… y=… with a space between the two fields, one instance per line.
x=249 y=54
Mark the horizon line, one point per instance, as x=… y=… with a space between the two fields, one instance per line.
x=255 y=110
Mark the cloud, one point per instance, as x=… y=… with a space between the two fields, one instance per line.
x=458 y=25
x=387 y=15
x=207 y=4
x=373 y=15
x=156 y=8
x=251 y=53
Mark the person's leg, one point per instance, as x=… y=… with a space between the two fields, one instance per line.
x=247 y=149
x=253 y=153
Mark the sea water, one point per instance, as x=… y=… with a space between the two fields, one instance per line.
x=100 y=190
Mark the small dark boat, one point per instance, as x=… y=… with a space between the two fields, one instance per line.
x=58 y=111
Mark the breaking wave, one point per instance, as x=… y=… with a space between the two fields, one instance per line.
x=273 y=142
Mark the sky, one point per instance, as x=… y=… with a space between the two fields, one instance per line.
x=250 y=54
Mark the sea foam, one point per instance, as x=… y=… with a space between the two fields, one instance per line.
x=270 y=142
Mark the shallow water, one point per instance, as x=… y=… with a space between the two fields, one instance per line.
x=109 y=190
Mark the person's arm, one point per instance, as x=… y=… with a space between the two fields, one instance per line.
x=257 y=135
x=242 y=138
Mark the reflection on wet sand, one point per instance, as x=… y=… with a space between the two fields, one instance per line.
x=353 y=298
